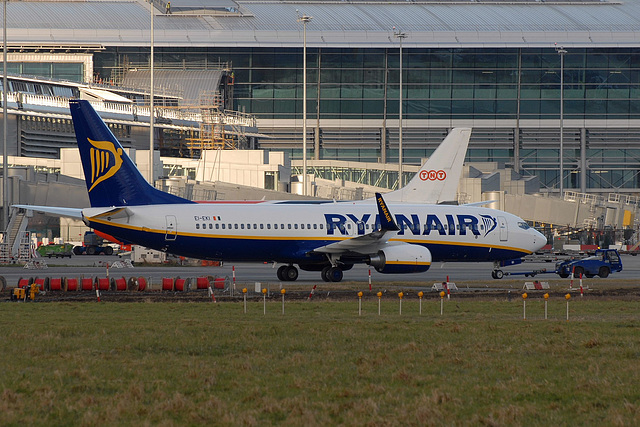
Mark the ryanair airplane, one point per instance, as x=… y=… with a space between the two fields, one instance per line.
x=401 y=232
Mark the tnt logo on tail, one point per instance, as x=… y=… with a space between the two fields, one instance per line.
x=106 y=160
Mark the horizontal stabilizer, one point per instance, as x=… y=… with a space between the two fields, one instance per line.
x=54 y=211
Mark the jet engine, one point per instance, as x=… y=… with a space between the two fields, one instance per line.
x=404 y=258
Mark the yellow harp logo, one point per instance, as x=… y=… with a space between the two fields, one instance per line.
x=106 y=160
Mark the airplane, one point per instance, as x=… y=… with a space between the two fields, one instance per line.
x=403 y=231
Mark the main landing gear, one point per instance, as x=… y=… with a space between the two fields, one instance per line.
x=287 y=273
x=331 y=274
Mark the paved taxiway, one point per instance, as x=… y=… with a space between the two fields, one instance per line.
x=248 y=274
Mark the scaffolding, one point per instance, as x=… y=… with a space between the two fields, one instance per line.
x=211 y=133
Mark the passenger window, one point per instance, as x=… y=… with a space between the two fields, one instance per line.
x=255 y=226
x=315 y=226
x=217 y=226
x=282 y=226
x=321 y=226
x=275 y=226
x=268 y=226
x=295 y=226
x=223 y=226
x=236 y=226
x=197 y=226
x=308 y=226
x=289 y=226
x=210 y=226
x=204 y=226
x=261 y=226
x=242 y=226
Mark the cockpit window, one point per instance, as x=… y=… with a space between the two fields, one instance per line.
x=524 y=225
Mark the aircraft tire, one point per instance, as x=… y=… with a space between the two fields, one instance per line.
x=280 y=273
x=335 y=274
x=324 y=274
x=498 y=274
x=290 y=273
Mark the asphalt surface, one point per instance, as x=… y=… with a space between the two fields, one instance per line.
x=246 y=275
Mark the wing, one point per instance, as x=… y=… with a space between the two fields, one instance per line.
x=368 y=243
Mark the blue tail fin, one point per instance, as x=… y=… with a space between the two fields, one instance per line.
x=112 y=178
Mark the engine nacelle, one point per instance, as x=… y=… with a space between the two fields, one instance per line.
x=405 y=258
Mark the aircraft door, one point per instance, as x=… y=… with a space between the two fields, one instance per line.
x=504 y=230
x=171 y=229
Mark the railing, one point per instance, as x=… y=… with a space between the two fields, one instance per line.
x=227 y=117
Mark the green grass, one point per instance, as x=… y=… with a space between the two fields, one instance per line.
x=321 y=363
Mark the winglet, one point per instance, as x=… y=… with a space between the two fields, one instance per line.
x=438 y=178
x=387 y=223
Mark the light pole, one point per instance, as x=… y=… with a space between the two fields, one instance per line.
x=304 y=19
x=151 y=96
x=5 y=157
x=400 y=35
x=562 y=52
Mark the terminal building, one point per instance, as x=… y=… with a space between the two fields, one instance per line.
x=516 y=71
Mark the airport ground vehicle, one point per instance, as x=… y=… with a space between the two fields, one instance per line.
x=58 y=251
x=93 y=245
x=602 y=263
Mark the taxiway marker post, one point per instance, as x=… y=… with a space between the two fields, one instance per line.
x=369 y=279
x=524 y=306
x=572 y=276
x=420 y=295
x=283 y=291
x=360 y=303
x=233 y=289
x=379 y=294
x=546 y=300
x=581 y=289
x=264 y=300
x=400 y=295
x=441 y=303
x=244 y=293
x=567 y=297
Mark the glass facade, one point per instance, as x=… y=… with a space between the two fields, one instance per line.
x=73 y=72
x=439 y=84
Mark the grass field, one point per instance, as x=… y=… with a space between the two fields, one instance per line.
x=321 y=363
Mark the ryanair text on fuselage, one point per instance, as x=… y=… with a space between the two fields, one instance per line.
x=450 y=225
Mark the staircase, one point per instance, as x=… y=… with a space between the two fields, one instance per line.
x=16 y=243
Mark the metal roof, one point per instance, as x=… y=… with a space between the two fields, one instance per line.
x=334 y=24
x=192 y=83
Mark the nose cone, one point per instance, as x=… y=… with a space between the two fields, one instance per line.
x=539 y=240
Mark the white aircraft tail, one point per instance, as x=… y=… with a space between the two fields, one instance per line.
x=438 y=178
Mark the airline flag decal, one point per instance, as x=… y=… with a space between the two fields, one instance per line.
x=106 y=160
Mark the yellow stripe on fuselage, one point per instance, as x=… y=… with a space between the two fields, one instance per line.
x=97 y=219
